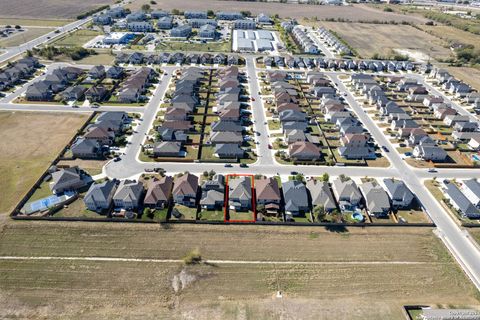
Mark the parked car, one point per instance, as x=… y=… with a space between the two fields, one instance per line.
x=228 y=165
x=243 y=165
x=116 y=159
x=432 y=170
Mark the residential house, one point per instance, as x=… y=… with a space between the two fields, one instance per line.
x=85 y=148
x=128 y=195
x=347 y=194
x=159 y=193
x=321 y=195
x=167 y=149
x=430 y=153
x=304 y=150
x=99 y=196
x=185 y=190
x=376 y=199
x=97 y=72
x=400 y=195
x=229 y=150
x=96 y=93
x=240 y=193
x=68 y=179
x=460 y=202
x=182 y=31
x=296 y=198
x=268 y=193
x=471 y=190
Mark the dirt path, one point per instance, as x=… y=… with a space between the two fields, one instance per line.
x=107 y=259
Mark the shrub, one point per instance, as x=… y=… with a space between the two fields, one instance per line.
x=193 y=257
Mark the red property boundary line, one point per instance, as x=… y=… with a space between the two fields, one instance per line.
x=225 y=205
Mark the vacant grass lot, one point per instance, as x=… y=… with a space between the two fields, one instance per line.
x=29 y=142
x=76 y=38
x=34 y=22
x=342 y=285
x=368 y=39
x=23 y=37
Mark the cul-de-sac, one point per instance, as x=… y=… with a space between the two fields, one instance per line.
x=229 y=159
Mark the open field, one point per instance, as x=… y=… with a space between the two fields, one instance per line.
x=25 y=36
x=354 y=13
x=29 y=142
x=384 y=267
x=53 y=9
x=76 y=38
x=34 y=22
x=475 y=232
x=469 y=75
x=451 y=34
x=368 y=39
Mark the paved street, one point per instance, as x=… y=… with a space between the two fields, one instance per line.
x=459 y=243
x=456 y=240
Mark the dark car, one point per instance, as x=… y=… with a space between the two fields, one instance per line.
x=385 y=149
x=243 y=165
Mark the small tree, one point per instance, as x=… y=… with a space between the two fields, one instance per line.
x=319 y=212
x=146 y=8
x=325 y=177
x=205 y=174
x=193 y=257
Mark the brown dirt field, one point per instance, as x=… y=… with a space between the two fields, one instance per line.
x=29 y=143
x=469 y=75
x=86 y=289
x=369 y=39
x=354 y=13
x=56 y=9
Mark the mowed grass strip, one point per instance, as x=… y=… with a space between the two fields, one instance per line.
x=30 y=141
x=220 y=242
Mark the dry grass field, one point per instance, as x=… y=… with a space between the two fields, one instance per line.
x=49 y=9
x=451 y=34
x=361 y=273
x=25 y=36
x=469 y=75
x=29 y=142
x=369 y=39
x=34 y=22
x=354 y=13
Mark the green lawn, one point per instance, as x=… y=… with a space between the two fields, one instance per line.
x=211 y=215
x=241 y=215
x=156 y=215
x=41 y=192
x=77 y=209
x=76 y=38
x=273 y=125
x=187 y=213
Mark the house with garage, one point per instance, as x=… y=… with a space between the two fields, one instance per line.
x=167 y=149
x=459 y=201
x=399 y=194
x=128 y=195
x=471 y=190
x=304 y=150
x=99 y=197
x=268 y=193
x=185 y=190
x=320 y=195
x=430 y=153
x=68 y=179
x=240 y=193
x=86 y=149
x=295 y=198
x=159 y=193
x=347 y=193
x=376 y=199
x=229 y=151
